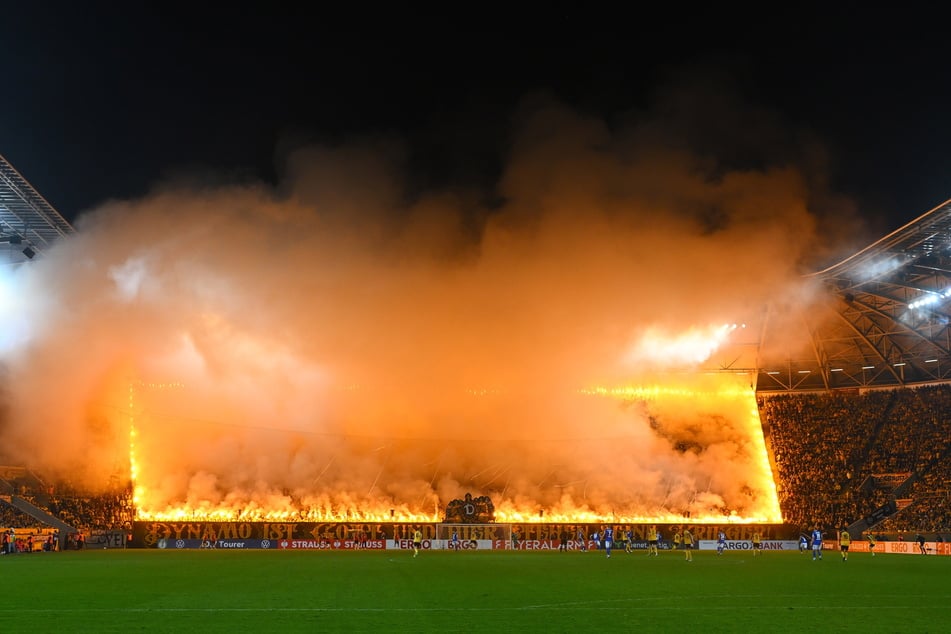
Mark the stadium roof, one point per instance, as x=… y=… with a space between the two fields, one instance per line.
x=28 y=223
x=886 y=318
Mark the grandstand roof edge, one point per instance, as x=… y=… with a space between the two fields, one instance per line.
x=25 y=213
x=940 y=212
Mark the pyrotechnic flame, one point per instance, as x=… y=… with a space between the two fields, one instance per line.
x=336 y=504
x=133 y=459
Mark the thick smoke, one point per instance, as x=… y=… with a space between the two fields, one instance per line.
x=330 y=345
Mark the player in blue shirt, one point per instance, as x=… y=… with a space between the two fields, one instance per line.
x=608 y=539
x=721 y=542
x=816 y=544
x=803 y=543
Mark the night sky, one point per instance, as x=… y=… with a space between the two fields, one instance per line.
x=98 y=105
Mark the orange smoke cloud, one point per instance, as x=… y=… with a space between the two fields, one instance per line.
x=330 y=346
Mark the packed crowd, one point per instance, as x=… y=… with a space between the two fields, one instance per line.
x=12 y=517
x=84 y=511
x=111 y=511
x=840 y=457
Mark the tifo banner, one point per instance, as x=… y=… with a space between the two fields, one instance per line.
x=435 y=536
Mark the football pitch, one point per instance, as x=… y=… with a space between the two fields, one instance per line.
x=487 y=591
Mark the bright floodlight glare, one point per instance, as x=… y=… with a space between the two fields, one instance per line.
x=868 y=367
x=6 y=293
x=930 y=298
x=14 y=325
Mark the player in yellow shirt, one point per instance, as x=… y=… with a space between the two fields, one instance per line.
x=871 y=543
x=417 y=541
x=757 y=542
x=688 y=544
x=845 y=540
x=652 y=541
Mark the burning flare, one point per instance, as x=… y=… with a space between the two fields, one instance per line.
x=660 y=453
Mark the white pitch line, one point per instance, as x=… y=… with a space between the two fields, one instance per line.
x=824 y=608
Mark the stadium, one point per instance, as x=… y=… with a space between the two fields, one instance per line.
x=849 y=431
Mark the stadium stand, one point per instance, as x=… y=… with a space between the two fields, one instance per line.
x=857 y=426
x=841 y=457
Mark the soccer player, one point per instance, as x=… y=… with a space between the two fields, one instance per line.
x=803 y=543
x=629 y=546
x=816 y=544
x=721 y=542
x=608 y=539
x=871 y=543
x=454 y=543
x=652 y=536
x=845 y=540
x=417 y=541
x=921 y=544
x=688 y=544
x=582 y=540
x=757 y=542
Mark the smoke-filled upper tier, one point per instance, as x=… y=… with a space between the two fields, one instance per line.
x=337 y=343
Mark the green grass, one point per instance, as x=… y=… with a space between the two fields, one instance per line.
x=490 y=591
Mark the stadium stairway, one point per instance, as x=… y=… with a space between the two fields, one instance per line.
x=42 y=516
x=878 y=515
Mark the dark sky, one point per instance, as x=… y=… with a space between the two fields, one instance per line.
x=99 y=104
